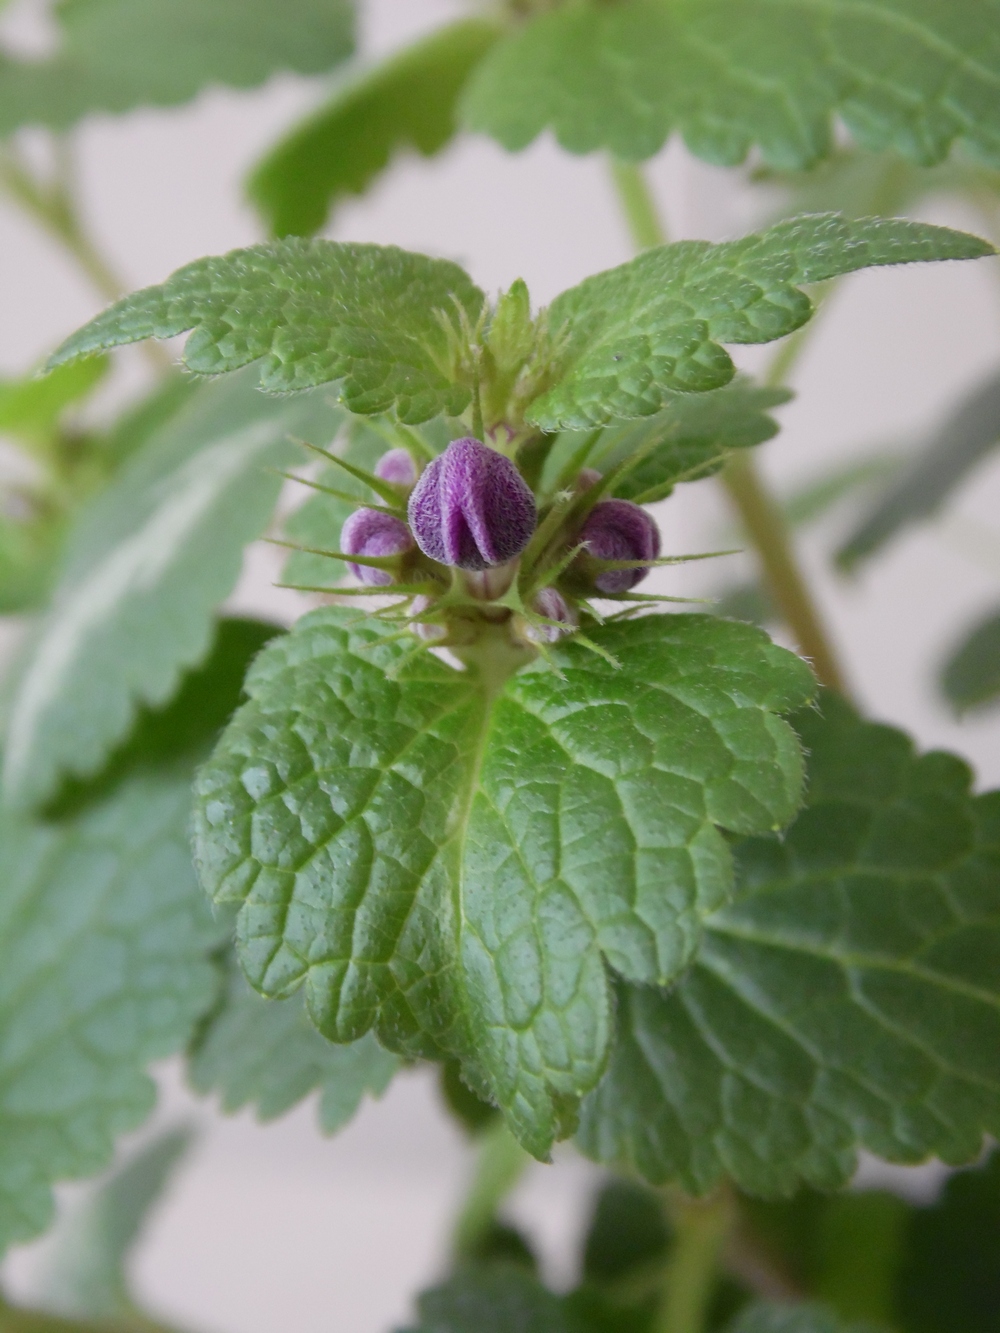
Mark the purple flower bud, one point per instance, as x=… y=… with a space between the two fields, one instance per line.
x=551 y=604
x=472 y=508
x=589 y=476
x=620 y=530
x=398 y=467
x=369 y=532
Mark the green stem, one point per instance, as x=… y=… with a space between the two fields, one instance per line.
x=760 y=512
x=765 y=525
x=638 y=205
x=54 y=206
x=501 y=1163
x=701 y=1228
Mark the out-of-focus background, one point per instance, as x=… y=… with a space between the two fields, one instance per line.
x=273 y=1228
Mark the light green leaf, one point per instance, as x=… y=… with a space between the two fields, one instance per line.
x=146 y=564
x=86 y=1276
x=689 y=439
x=115 y=55
x=970 y=678
x=767 y=1318
x=30 y=407
x=848 y=998
x=407 y=102
x=497 y=1299
x=266 y=1053
x=106 y=945
x=637 y=334
x=451 y=865
x=909 y=75
x=311 y=312
x=968 y=435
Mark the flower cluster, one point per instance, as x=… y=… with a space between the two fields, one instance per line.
x=463 y=536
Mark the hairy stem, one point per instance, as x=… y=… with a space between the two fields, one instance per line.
x=53 y=205
x=701 y=1228
x=501 y=1163
x=758 y=509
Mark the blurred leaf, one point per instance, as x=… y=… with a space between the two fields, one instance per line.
x=142 y=419
x=950 y=1279
x=114 y=55
x=406 y=102
x=30 y=407
x=971 y=676
x=766 y=1318
x=628 y=1231
x=496 y=1299
x=86 y=1275
x=267 y=1054
x=730 y=74
x=146 y=564
x=30 y=547
x=970 y=432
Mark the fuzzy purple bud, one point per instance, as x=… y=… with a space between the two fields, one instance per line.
x=369 y=532
x=620 y=530
x=551 y=604
x=398 y=467
x=472 y=508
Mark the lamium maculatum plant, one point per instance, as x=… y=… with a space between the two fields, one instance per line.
x=636 y=880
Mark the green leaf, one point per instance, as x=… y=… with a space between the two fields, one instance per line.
x=106 y=945
x=767 y=1318
x=30 y=407
x=448 y=863
x=310 y=312
x=969 y=434
x=146 y=564
x=115 y=55
x=635 y=335
x=848 y=998
x=498 y=1299
x=86 y=1275
x=689 y=439
x=627 y=1233
x=407 y=102
x=729 y=74
x=971 y=676
x=951 y=1276
x=266 y=1053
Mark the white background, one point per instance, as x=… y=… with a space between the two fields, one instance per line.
x=270 y=1229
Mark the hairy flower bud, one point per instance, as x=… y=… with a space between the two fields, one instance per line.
x=398 y=467
x=551 y=604
x=369 y=532
x=620 y=530
x=472 y=508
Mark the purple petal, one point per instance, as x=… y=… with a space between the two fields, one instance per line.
x=398 y=467
x=620 y=530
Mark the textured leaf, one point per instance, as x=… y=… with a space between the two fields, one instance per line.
x=635 y=335
x=971 y=676
x=407 y=102
x=766 y=1318
x=86 y=1274
x=267 y=1054
x=849 y=997
x=689 y=439
x=493 y=1300
x=311 y=312
x=968 y=435
x=910 y=75
x=951 y=1277
x=105 y=942
x=146 y=565
x=449 y=866
x=118 y=54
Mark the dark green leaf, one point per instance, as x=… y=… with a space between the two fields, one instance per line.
x=766 y=1318
x=729 y=74
x=690 y=439
x=266 y=1053
x=951 y=1275
x=449 y=863
x=492 y=1300
x=407 y=102
x=971 y=676
x=635 y=335
x=86 y=1276
x=627 y=1232
x=310 y=312
x=849 y=997
x=967 y=436
x=146 y=564
x=114 y=55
